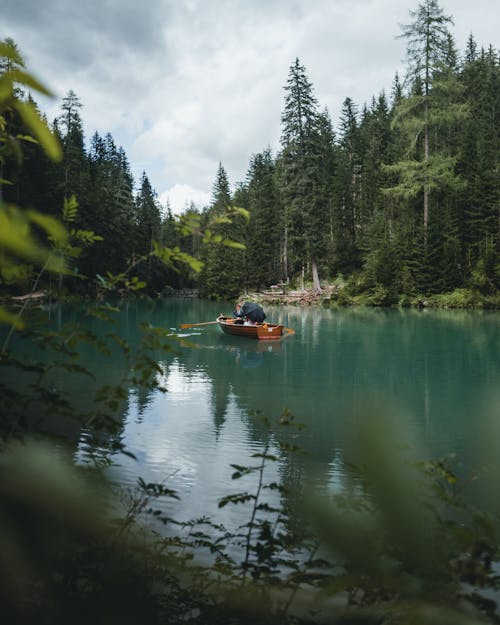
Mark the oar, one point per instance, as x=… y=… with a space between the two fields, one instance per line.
x=191 y=325
x=288 y=331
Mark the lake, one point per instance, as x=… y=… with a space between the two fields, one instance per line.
x=436 y=371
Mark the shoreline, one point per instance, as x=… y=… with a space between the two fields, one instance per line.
x=329 y=296
x=338 y=296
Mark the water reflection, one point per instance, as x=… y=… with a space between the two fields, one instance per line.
x=435 y=367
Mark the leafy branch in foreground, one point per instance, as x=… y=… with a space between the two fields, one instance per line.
x=17 y=240
x=173 y=257
x=400 y=545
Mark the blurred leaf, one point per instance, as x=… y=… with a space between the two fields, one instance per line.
x=27 y=80
x=32 y=119
x=70 y=209
x=234 y=244
x=10 y=319
x=53 y=227
x=27 y=138
x=15 y=234
x=13 y=147
x=86 y=236
x=8 y=51
x=5 y=90
x=238 y=210
x=221 y=220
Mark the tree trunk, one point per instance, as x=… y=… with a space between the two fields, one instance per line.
x=426 y=146
x=285 y=255
x=315 y=276
x=426 y=183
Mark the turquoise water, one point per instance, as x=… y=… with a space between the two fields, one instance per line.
x=438 y=372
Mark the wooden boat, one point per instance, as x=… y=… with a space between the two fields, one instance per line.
x=261 y=331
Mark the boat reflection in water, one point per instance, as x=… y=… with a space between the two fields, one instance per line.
x=249 y=354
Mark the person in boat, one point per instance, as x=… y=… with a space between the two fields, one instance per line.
x=250 y=313
x=238 y=314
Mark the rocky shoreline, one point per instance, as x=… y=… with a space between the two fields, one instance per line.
x=303 y=297
x=338 y=295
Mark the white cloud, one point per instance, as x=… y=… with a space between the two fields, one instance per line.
x=180 y=197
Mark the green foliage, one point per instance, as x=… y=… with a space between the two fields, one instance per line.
x=17 y=237
x=437 y=174
x=32 y=119
x=427 y=41
x=399 y=544
x=463 y=298
x=305 y=176
x=413 y=546
x=19 y=229
x=223 y=259
x=265 y=230
x=12 y=79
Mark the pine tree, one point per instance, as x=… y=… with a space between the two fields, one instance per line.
x=148 y=231
x=325 y=216
x=222 y=276
x=429 y=120
x=109 y=208
x=347 y=190
x=428 y=44
x=479 y=163
x=74 y=170
x=374 y=133
x=263 y=264
x=306 y=207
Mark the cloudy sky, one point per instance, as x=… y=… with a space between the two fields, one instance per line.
x=185 y=84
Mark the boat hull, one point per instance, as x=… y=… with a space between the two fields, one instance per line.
x=260 y=331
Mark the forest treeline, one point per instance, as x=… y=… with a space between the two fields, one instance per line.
x=400 y=200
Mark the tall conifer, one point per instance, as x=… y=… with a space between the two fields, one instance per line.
x=223 y=273
x=427 y=46
x=306 y=208
x=263 y=242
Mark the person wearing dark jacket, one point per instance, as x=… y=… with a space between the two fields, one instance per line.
x=250 y=311
x=238 y=313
